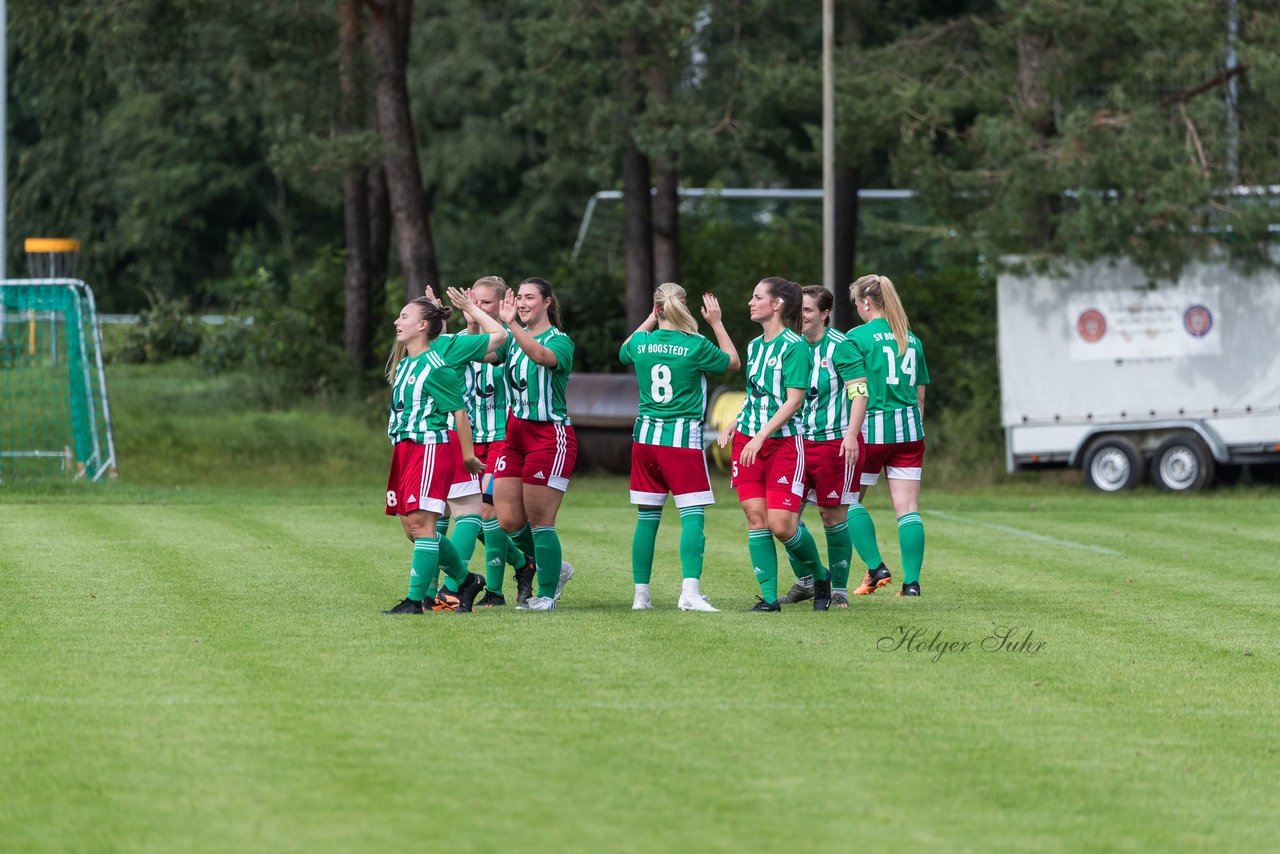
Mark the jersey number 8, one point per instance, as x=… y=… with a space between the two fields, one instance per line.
x=660 y=386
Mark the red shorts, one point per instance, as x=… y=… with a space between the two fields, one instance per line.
x=657 y=470
x=777 y=475
x=829 y=479
x=420 y=477
x=900 y=461
x=464 y=482
x=538 y=452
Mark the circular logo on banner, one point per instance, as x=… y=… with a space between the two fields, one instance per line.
x=1198 y=321
x=1091 y=325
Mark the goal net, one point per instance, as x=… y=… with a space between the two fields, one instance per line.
x=54 y=417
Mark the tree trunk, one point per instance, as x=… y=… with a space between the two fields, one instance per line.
x=666 y=201
x=847 y=183
x=637 y=205
x=356 y=326
x=1036 y=106
x=389 y=46
x=379 y=235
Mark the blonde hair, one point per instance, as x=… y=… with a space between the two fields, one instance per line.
x=498 y=284
x=884 y=296
x=670 y=301
x=435 y=314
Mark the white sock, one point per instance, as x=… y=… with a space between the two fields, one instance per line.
x=844 y=590
x=642 y=589
x=805 y=582
x=690 y=588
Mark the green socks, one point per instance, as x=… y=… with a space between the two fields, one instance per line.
x=863 y=533
x=764 y=561
x=642 y=542
x=523 y=539
x=465 y=532
x=693 y=541
x=911 y=542
x=496 y=544
x=800 y=570
x=451 y=562
x=426 y=557
x=805 y=551
x=546 y=552
x=839 y=551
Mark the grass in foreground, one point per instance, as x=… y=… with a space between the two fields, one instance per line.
x=214 y=673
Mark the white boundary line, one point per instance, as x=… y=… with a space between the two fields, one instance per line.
x=1030 y=535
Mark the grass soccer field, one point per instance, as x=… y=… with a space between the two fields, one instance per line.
x=210 y=670
x=195 y=658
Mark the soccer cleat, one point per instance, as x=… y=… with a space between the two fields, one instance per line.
x=797 y=593
x=539 y=603
x=524 y=580
x=696 y=603
x=491 y=600
x=468 y=592
x=446 y=600
x=876 y=578
x=821 y=595
x=641 y=602
x=840 y=600
x=406 y=606
x=566 y=573
x=762 y=605
x=912 y=589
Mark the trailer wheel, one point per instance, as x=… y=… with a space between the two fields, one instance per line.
x=1182 y=463
x=1112 y=464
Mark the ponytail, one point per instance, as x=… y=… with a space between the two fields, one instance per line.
x=670 y=301
x=792 y=300
x=884 y=296
x=435 y=314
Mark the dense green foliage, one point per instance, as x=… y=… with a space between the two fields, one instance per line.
x=195 y=152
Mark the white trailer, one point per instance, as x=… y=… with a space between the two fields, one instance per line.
x=1100 y=371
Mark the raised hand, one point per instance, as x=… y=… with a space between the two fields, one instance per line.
x=507 y=308
x=711 y=309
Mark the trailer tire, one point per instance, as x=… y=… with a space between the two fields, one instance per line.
x=1182 y=463
x=1112 y=464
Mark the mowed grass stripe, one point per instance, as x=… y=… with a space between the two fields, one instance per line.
x=308 y=719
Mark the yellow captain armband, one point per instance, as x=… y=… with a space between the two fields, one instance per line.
x=857 y=390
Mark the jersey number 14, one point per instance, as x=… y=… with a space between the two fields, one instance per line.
x=908 y=365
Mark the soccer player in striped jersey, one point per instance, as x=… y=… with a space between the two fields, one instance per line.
x=888 y=382
x=768 y=443
x=667 y=452
x=829 y=476
x=485 y=395
x=532 y=471
x=425 y=391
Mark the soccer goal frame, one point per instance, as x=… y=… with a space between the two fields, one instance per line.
x=53 y=388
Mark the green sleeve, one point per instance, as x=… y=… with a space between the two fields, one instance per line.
x=627 y=353
x=563 y=347
x=796 y=365
x=922 y=370
x=849 y=363
x=711 y=358
x=466 y=349
x=445 y=387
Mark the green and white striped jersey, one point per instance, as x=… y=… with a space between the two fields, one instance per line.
x=772 y=368
x=672 y=368
x=485 y=395
x=893 y=408
x=424 y=393
x=536 y=393
x=826 y=406
x=459 y=350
